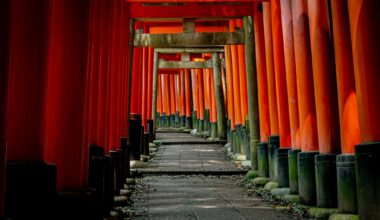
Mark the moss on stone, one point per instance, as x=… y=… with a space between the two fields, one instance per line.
x=343 y=217
x=252 y=174
x=292 y=198
x=271 y=185
x=280 y=192
x=260 y=181
x=322 y=213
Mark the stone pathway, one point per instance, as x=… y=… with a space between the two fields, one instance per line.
x=177 y=197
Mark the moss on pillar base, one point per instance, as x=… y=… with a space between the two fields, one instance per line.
x=243 y=141
x=229 y=134
x=282 y=167
x=343 y=217
x=262 y=157
x=293 y=171
x=368 y=180
x=214 y=131
x=346 y=184
x=200 y=125
x=189 y=123
x=273 y=145
x=306 y=178
x=325 y=177
x=237 y=140
x=322 y=213
x=176 y=120
x=194 y=119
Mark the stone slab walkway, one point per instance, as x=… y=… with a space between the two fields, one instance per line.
x=196 y=196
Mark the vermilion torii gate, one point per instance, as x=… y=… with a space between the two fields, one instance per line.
x=67 y=82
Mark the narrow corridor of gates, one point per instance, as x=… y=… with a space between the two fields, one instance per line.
x=90 y=89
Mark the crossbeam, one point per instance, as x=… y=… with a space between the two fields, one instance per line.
x=188 y=50
x=184 y=65
x=189 y=39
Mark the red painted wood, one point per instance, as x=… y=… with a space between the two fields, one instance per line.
x=150 y=82
x=291 y=77
x=229 y=78
x=235 y=78
x=136 y=80
x=138 y=10
x=305 y=90
x=280 y=76
x=272 y=95
x=347 y=97
x=324 y=77
x=4 y=59
x=144 y=85
x=64 y=127
x=242 y=78
x=262 y=82
x=27 y=69
x=187 y=76
x=365 y=35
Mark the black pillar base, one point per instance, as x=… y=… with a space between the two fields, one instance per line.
x=282 y=167
x=346 y=182
x=145 y=148
x=124 y=145
x=368 y=180
x=94 y=151
x=30 y=190
x=200 y=125
x=135 y=136
x=273 y=145
x=325 y=176
x=76 y=205
x=237 y=139
x=108 y=185
x=183 y=121
x=151 y=130
x=189 y=122
x=116 y=164
x=306 y=178
x=262 y=159
x=293 y=171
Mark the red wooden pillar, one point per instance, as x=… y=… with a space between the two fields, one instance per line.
x=136 y=80
x=236 y=79
x=194 y=86
x=230 y=91
x=103 y=73
x=182 y=78
x=290 y=66
x=272 y=96
x=326 y=102
x=365 y=35
x=280 y=75
x=188 y=90
x=201 y=99
x=242 y=78
x=305 y=90
x=348 y=107
x=324 y=77
x=65 y=93
x=261 y=75
x=4 y=59
x=144 y=86
x=150 y=82
x=28 y=37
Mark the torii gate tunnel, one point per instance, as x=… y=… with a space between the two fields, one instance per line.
x=292 y=85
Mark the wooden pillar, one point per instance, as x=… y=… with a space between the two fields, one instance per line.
x=150 y=82
x=270 y=69
x=28 y=37
x=305 y=91
x=4 y=59
x=305 y=86
x=65 y=94
x=230 y=86
x=242 y=77
x=291 y=77
x=253 y=100
x=280 y=75
x=136 y=79
x=348 y=108
x=236 y=79
x=188 y=89
x=365 y=35
x=324 y=77
x=156 y=86
x=262 y=81
x=144 y=86
x=219 y=97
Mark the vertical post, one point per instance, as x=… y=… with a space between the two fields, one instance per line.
x=130 y=69
x=154 y=95
x=219 y=97
x=253 y=107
